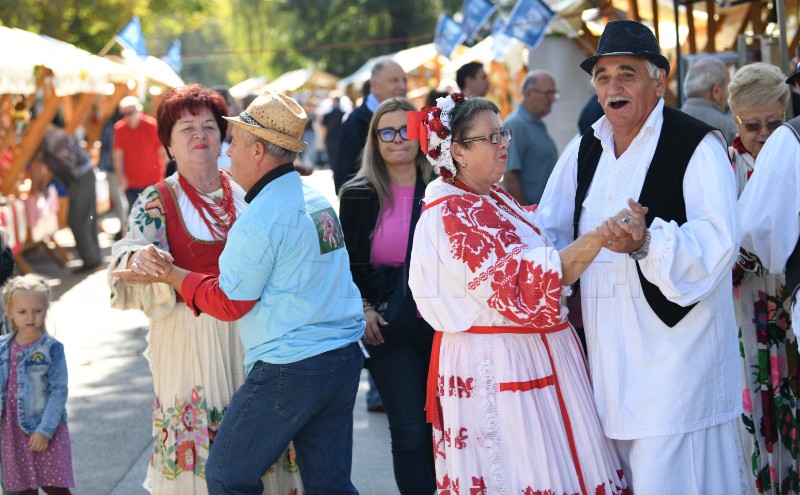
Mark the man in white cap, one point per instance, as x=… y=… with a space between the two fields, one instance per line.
x=301 y=338
x=658 y=313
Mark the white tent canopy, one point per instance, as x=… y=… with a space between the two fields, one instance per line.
x=409 y=59
x=516 y=57
x=155 y=69
x=74 y=70
x=296 y=79
x=247 y=87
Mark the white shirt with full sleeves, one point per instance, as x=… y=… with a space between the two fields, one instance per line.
x=650 y=379
x=770 y=204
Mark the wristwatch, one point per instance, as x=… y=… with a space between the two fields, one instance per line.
x=641 y=253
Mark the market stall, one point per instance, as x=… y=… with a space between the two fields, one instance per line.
x=38 y=78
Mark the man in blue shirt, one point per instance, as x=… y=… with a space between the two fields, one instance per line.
x=286 y=254
x=532 y=153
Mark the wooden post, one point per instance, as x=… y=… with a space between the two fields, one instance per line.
x=79 y=112
x=711 y=27
x=654 y=6
x=690 y=22
x=633 y=5
x=35 y=132
x=94 y=127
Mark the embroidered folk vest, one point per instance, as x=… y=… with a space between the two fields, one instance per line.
x=662 y=191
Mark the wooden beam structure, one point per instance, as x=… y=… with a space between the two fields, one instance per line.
x=654 y=6
x=79 y=111
x=711 y=27
x=35 y=132
x=692 y=39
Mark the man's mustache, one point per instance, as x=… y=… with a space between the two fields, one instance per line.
x=615 y=99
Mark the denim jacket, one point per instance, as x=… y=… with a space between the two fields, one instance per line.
x=42 y=383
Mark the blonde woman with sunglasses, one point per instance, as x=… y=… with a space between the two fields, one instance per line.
x=758 y=101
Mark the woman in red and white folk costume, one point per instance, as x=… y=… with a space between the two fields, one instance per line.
x=508 y=394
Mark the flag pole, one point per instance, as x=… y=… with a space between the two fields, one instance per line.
x=108 y=46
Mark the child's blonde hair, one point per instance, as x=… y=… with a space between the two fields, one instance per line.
x=31 y=282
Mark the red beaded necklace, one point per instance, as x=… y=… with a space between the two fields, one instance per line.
x=223 y=213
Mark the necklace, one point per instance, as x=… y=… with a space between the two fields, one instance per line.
x=495 y=194
x=223 y=213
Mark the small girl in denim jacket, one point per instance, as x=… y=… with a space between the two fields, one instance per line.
x=34 y=440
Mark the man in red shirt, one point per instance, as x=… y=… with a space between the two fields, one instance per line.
x=138 y=155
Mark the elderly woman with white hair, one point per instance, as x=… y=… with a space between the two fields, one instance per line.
x=758 y=100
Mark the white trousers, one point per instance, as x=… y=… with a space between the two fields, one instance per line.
x=704 y=462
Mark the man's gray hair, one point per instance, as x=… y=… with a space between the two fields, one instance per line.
x=704 y=74
x=277 y=152
x=532 y=77
x=381 y=64
x=652 y=69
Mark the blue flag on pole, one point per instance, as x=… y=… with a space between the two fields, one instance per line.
x=500 y=40
x=449 y=35
x=528 y=22
x=131 y=37
x=173 y=56
x=476 y=13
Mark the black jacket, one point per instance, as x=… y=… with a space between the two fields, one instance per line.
x=351 y=143
x=358 y=214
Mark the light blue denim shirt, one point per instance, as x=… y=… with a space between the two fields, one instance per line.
x=42 y=384
x=287 y=251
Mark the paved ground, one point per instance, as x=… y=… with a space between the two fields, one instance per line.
x=111 y=389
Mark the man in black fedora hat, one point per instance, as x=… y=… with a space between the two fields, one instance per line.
x=658 y=312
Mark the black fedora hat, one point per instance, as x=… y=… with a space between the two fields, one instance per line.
x=627 y=38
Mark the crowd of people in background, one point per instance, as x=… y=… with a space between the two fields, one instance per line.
x=450 y=271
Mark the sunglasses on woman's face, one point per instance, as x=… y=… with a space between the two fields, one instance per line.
x=387 y=134
x=756 y=126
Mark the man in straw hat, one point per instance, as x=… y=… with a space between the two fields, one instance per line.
x=286 y=255
x=770 y=205
x=658 y=313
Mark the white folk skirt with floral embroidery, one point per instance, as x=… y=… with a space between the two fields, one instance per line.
x=518 y=417
x=197 y=365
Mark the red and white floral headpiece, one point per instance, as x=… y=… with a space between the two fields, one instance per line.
x=431 y=126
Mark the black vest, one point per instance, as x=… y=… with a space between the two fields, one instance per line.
x=793 y=263
x=662 y=191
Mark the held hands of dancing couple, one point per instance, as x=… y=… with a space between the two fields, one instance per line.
x=624 y=232
x=150 y=265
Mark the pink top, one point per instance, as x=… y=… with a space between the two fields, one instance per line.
x=390 y=241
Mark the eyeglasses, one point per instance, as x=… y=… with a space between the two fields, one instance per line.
x=493 y=138
x=387 y=134
x=756 y=126
x=549 y=93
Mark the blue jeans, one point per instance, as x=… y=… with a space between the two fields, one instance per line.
x=311 y=402
x=401 y=375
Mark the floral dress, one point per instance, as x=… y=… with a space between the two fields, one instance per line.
x=768 y=349
x=196 y=362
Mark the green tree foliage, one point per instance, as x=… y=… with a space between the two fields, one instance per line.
x=88 y=24
x=226 y=41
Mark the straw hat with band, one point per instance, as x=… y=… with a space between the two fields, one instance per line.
x=275 y=118
x=627 y=38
